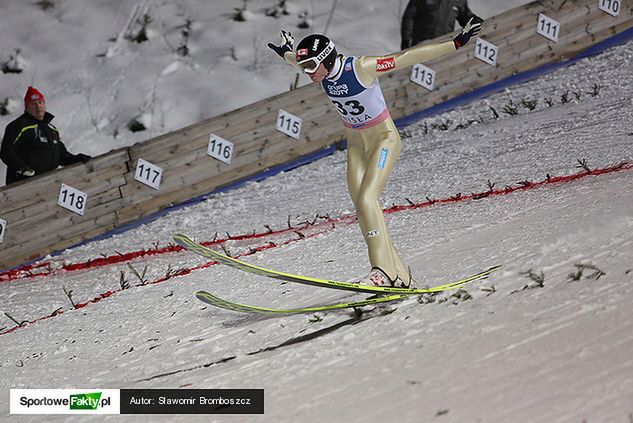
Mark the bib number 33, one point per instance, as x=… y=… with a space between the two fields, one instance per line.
x=351 y=107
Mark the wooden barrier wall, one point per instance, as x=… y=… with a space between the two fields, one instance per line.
x=36 y=225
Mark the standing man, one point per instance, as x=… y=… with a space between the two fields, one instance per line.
x=427 y=19
x=373 y=141
x=31 y=144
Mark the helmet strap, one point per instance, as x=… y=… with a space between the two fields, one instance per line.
x=336 y=69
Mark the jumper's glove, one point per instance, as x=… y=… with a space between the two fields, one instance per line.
x=287 y=44
x=84 y=158
x=471 y=29
x=26 y=172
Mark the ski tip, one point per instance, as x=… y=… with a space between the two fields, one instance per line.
x=181 y=239
x=206 y=297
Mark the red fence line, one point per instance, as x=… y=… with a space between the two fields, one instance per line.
x=523 y=185
x=181 y=272
x=26 y=271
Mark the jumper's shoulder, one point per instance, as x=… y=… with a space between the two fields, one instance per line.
x=368 y=67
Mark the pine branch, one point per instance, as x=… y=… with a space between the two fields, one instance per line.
x=14 y=320
x=69 y=294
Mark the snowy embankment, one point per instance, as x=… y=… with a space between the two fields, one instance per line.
x=547 y=338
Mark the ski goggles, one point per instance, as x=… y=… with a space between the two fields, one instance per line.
x=311 y=64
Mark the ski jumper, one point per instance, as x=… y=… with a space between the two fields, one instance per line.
x=373 y=145
x=373 y=141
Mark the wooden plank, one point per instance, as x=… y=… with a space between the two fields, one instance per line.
x=249 y=113
x=201 y=171
x=16 y=192
x=42 y=227
x=320 y=110
x=198 y=186
x=246 y=128
x=90 y=183
x=473 y=81
x=68 y=228
x=65 y=226
x=36 y=218
x=189 y=163
x=32 y=249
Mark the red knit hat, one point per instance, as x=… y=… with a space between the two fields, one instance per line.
x=32 y=94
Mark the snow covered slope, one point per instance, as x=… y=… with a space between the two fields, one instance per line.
x=546 y=339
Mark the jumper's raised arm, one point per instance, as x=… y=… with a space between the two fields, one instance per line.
x=375 y=66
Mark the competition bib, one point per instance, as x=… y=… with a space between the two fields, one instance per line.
x=359 y=106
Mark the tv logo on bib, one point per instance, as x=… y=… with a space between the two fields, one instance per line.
x=338 y=89
x=383 y=65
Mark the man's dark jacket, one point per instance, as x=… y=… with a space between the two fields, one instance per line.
x=29 y=143
x=427 y=19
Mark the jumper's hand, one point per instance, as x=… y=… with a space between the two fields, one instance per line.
x=471 y=29
x=26 y=172
x=287 y=44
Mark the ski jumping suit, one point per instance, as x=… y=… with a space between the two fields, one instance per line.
x=373 y=141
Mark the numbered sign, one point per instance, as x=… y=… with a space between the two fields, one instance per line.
x=548 y=27
x=3 y=228
x=423 y=76
x=289 y=124
x=148 y=173
x=612 y=7
x=220 y=149
x=486 y=51
x=72 y=199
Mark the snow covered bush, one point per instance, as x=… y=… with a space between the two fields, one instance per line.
x=306 y=20
x=141 y=34
x=185 y=31
x=241 y=14
x=8 y=106
x=281 y=8
x=46 y=4
x=141 y=122
x=15 y=64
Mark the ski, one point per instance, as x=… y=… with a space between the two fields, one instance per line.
x=216 y=301
x=208 y=253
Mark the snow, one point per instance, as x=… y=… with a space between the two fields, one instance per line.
x=545 y=339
